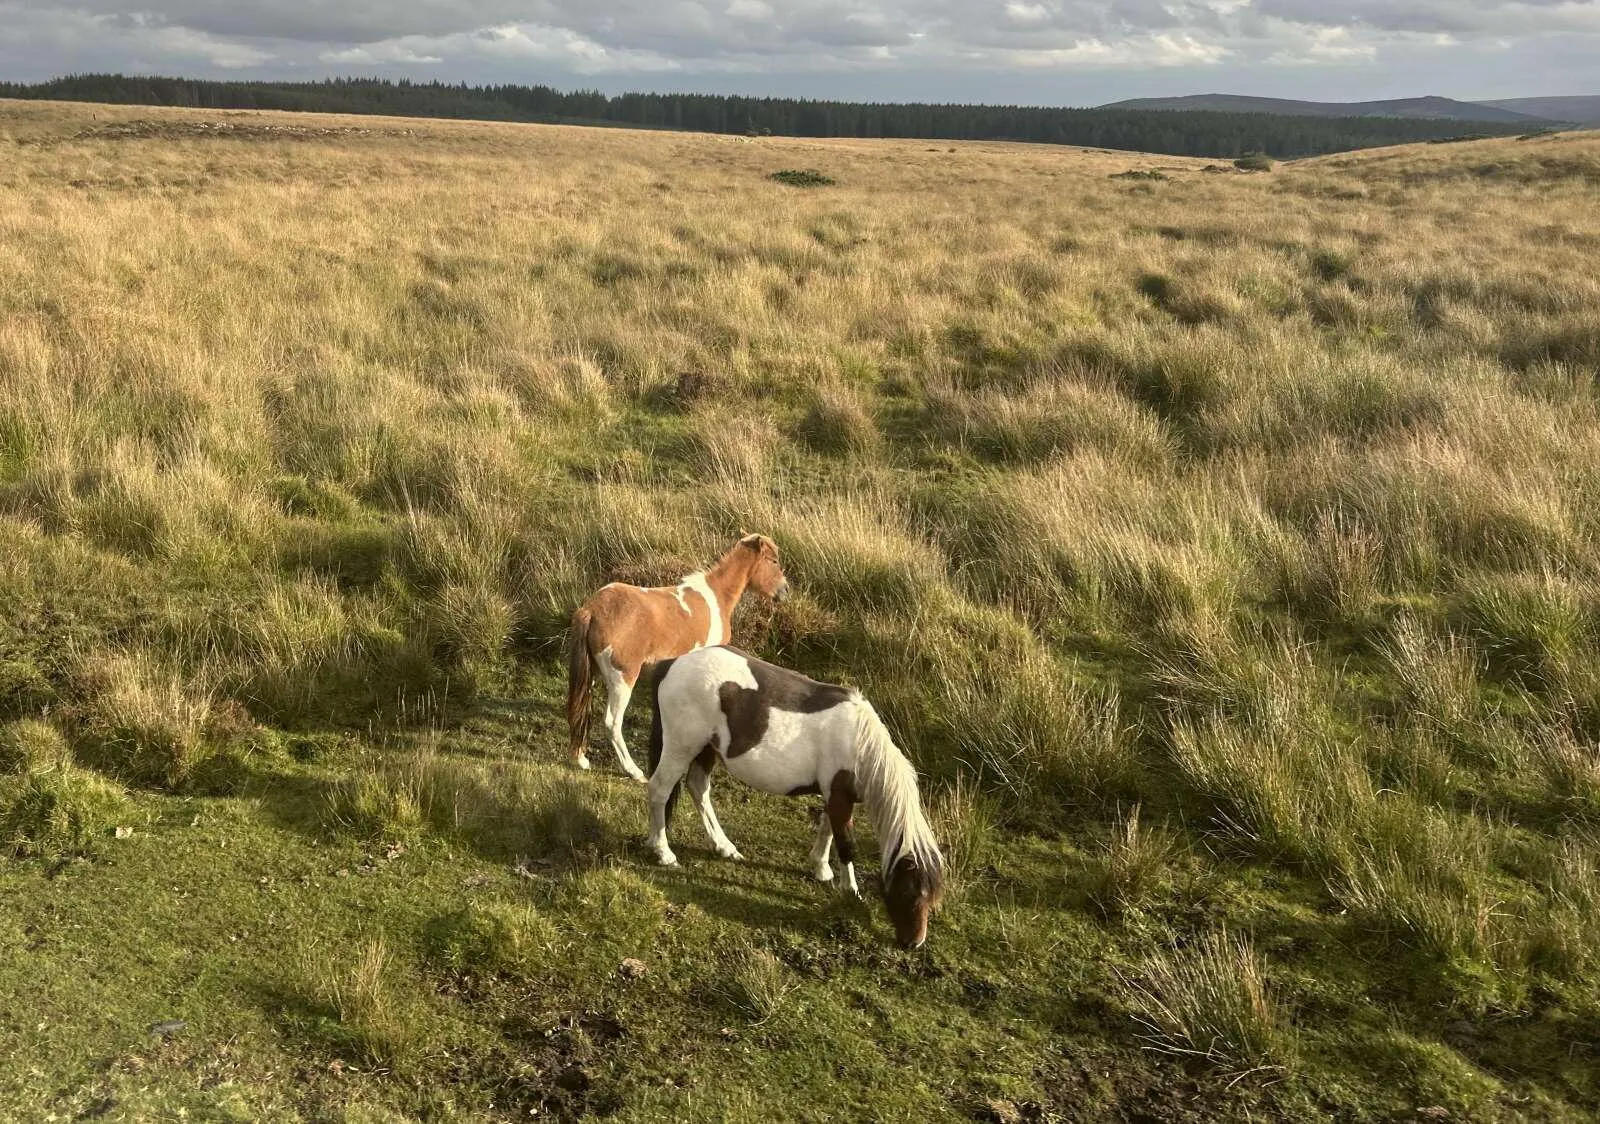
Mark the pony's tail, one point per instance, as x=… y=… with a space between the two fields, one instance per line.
x=657 y=734
x=580 y=679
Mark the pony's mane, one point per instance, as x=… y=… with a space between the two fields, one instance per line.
x=887 y=784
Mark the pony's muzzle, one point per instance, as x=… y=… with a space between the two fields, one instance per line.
x=781 y=594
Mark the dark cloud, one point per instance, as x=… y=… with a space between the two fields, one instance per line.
x=889 y=48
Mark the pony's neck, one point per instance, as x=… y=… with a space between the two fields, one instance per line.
x=729 y=578
x=887 y=784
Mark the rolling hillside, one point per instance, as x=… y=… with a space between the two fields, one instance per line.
x=1582 y=110
x=1416 y=108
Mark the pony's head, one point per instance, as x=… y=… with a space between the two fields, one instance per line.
x=912 y=889
x=766 y=575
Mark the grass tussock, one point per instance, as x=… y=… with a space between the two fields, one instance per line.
x=859 y=551
x=1022 y=726
x=1210 y=1001
x=507 y=810
x=373 y=1010
x=514 y=941
x=965 y=820
x=1049 y=418
x=30 y=745
x=838 y=421
x=50 y=807
x=756 y=984
x=142 y=722
x=1130 y=868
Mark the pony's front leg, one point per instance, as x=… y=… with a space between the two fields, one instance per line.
x=699 y=781
x=821 y=868
x=839 y=816
x=658 y=792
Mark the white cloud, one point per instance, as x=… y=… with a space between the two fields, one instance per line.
x=750 y=10
x=378 y=53
x=1300 y=46
x=1026 y=15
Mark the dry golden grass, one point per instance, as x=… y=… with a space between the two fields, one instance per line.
x=1268 y=504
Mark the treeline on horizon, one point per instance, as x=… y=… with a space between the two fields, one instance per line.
x=1174 y=132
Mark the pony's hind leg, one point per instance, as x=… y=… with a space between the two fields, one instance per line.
x=662 y=786
x=619 y=689
x=699 y=782
x=821 y=868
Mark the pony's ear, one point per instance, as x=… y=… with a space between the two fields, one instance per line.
x=750 y=540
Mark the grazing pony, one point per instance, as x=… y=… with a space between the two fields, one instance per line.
x=780 y=732
x=622 y=628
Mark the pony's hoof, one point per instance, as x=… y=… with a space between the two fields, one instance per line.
x=580 y=762
x=667 y=858
x=733 y=854
x=823 y=874
x=640 y=777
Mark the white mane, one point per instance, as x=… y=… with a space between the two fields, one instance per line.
x=887 y=784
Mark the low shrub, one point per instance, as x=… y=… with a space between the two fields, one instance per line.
x=802 y=177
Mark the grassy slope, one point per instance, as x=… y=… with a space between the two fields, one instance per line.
x=1262 y=503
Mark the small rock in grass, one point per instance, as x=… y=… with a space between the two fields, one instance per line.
x=631 y=969
x=167 y=1027
x=124 y=833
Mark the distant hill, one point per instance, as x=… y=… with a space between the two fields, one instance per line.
x=1210 y=132
x=1427 y=108
x=1582 y=110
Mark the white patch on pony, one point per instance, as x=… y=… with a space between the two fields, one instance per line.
x=821 y=868
x=850 y=872
x=697 y=582
x=797 y=749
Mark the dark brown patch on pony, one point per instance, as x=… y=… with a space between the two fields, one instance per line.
x=841 y=812
x=706 y=759
x=748 y=710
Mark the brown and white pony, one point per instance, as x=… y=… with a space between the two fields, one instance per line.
x=623 y=628
x=783 y=733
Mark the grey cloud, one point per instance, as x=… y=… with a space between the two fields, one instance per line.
x=308 y=21
x=1449 y=17
x=909 y=45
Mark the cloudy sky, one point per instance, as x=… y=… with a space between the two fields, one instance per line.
x=1051 y=52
